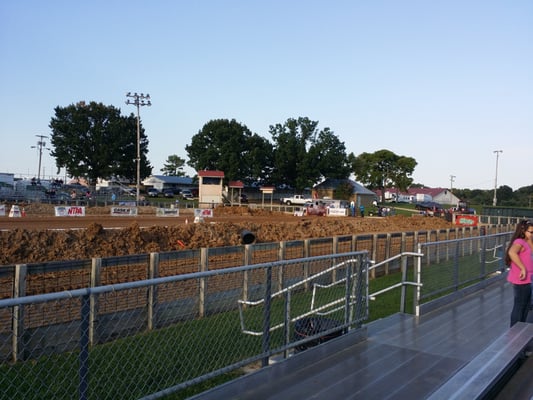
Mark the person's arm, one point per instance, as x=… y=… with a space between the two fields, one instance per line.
x=514 y=252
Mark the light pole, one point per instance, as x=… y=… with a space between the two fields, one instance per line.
x=40 y=144
x=494 y=200
x=138 y=101
x=452 y=179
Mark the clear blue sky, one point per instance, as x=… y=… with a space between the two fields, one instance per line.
x=444 y=82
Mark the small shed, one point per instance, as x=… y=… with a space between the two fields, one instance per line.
x=235 y=186
x=210 y=188
x=267 y=190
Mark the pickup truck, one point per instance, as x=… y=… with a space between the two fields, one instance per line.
x=297 y=199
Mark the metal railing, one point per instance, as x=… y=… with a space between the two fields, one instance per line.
x=95 y=345
x=153 y=337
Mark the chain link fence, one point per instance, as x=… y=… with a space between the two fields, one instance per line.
x=453 y=268
x=113 y=334
x=155 y=337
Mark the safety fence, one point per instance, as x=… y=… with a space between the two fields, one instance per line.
x=155 y=337
x=452 y=268
x=150 y=325
x=100 y=346
x=38 y=278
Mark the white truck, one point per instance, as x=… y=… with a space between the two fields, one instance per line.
x=297 y=199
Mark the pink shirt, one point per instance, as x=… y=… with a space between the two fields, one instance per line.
x=525 y=255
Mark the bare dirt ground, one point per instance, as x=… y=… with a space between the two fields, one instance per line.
x=39 y=236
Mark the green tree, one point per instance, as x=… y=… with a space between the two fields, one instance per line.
x=383 y=169
x=230 y=147
x=174 y=166
x=328 y=153
x=505 y=196
x=94 y=141
x=303 y=154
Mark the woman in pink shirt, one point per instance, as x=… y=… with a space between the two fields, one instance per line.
x=518 y=257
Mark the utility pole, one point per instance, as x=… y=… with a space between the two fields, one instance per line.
x=494 y=200
x=138 y=101
x=40 y=145
x=452 y=180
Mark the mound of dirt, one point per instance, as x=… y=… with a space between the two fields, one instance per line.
x=30 y=240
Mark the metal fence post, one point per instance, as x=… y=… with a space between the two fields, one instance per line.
x=84 y=347
x=96 y=269
x=403 y=296
x=418 y=276
x=266 y=315
x=204 y=266
x=374 y=252
x=19 y=290
x=347 y=292
x=281 y=256
x=152 y=290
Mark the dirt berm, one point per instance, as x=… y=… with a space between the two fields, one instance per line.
x=41 y=237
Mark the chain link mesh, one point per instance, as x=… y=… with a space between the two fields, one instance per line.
x=135 y=339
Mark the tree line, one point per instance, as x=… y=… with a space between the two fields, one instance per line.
x=92 y=140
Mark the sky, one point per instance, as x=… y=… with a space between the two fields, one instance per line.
x=448 y=83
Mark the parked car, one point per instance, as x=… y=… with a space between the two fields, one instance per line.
x=186 y=194
x=168 y=193
x=430 y=208
x=153 y=192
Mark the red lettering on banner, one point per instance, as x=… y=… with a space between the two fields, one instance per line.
x=75 y=211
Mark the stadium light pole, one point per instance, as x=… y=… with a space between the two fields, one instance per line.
x=40 y=145
x=494 y=200
x=138 y=100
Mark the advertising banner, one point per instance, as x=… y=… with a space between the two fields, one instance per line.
x=337 y=212
x=123 y=211
x=69 y=211
x=167 y=212
x=203 y=212
x=466 y=220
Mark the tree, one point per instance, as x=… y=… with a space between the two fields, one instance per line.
x=504 y=196
x=328 y=153
x=383 y=169
x=230 y=147
x=174 y=166
x=303 y=154
x=94 y=141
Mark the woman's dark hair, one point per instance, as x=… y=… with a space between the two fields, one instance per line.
x=519 y=233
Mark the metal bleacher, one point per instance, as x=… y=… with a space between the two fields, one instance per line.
x=443 y=353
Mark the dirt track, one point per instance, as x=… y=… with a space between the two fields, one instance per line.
x=40 y=237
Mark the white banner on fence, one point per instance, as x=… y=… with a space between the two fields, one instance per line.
x=337 y=212
x=167 y=212
x=123 y=211
x=203 y=212
x=2 y=210
x=69 y=211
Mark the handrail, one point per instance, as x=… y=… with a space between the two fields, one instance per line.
x=404 y=282
x=388 y=260
x=288 y=291
x=341 y=302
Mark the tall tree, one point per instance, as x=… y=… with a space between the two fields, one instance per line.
x=328 y=153
x=94 y=141
x=303 y=154
x=231 y=147
x=383 y=169
x=174 y=166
